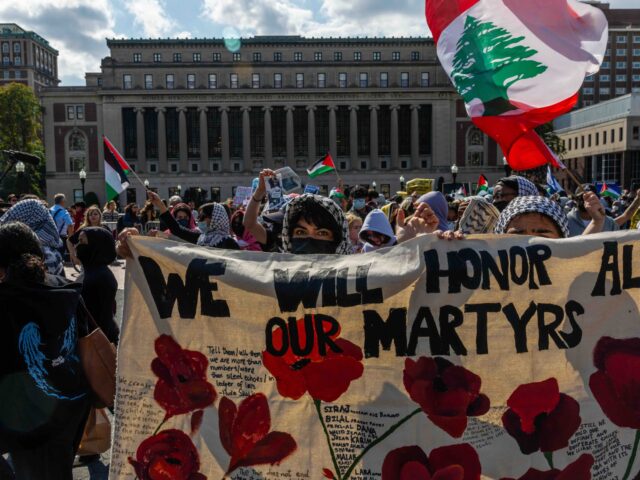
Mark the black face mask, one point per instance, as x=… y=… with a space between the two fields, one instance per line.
x=308 y=246
x=184 y=222
x=501 y=205
x=84 y=253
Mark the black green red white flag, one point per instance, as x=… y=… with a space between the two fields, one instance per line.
x=518 y=64
x=322 y=166
x=116 y=170
x=483 y=184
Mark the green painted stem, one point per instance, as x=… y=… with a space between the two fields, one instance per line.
x=633 y=456
x=159 y=427
x=326 y=434
x=549 y=457
x=379 y=440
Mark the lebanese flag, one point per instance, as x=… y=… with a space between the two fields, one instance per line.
x=518 y=64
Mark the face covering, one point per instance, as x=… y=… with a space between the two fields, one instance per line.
x=308 y=246
x=501 y=205
x=358 y=204
x=202 y=226
x=184 y=222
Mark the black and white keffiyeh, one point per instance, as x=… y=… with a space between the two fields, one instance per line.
x=533 y=204
x=36 y=216
x=526 y=188
x=219 y=228
x=343 y=248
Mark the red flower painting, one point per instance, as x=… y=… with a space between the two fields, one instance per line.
x=616 y=384
x=182 y=385
x=168 y=455
x=454 y=462
x=540 y=417
x=578 y=470
x=447 y=393
x=325 y=377
x=244 y=433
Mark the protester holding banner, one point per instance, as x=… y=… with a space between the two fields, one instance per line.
x=130 y=218
x=376 y=232
x=245 y=240
x=535 y=216
x=511 y=187
x=182 y=214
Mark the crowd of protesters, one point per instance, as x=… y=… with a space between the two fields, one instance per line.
x=40 y=431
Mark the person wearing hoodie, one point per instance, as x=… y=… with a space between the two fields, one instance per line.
x=44 y=395
x=96 y=250
x=376 y=232
x=439 y=205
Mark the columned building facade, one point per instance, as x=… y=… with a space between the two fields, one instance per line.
x=202 y=116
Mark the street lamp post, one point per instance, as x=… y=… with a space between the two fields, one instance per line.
x=507 y=167
x=20 y=171
x=454 y=172
x=402 y=183
x=179 y=188
x=374 y=185
x=146 y=184
x=83 y=178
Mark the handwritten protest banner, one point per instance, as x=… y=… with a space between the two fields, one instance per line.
x=489 y=356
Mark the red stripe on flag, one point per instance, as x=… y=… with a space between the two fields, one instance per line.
x=440 y=13
x=515 y=134
x=123 y=163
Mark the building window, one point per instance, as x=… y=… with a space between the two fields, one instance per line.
x=137 y=57
x=16 y=47
x=174 y=167
x=297 y=56
x=588 y=79
x=322 y=80
x=217 y=56
x=197 y=57
x=233 y=80
x=148 y=81
x=636 y=64
x=621 y=52
x=255 y=80
x=636 y=39
x=636 y=132
x=605 y=78
x=277 y=80
x=621 y=78
x=384 y=79
x=213 y=80
x=152 y=167
x=194 y=167
x=395 y=56
x=621 y=134
x=191 y=81
x=5 y=47
x=277 y=56
x=71 y=112
x=177 y=57
x=377 y=56
x=604 y=137
x=621 y=39
x=605 y=65
x=597 y=139
x=337 y=56
x=299 y=80
x=77 y=151
x=342 y=80
x=257 y=57
x=415 y=56
x=404 y=79
x=636 y=52
x=357 y=56
x=587 y=91
x=364 y=80
x=237 y=57
x=6 y=61
x=621 y=91
x=635 y=78
x=317 y=56
x=621 y=65
x=424 y=79
x=127 y=81
x=170 y=81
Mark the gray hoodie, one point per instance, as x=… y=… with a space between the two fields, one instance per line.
x=377 y=221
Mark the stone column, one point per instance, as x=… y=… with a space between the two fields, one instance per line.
x=246 y=138
x=415 y=137
x=373 y=119
x=268 y=138
x=311 y=133
x=224 y=127
x=333 y=135
x=353 y=136
x=162 y=139
x=395 y=156
x=140 y=143
x=204 y=140
x=290 y=152
x=182 y=130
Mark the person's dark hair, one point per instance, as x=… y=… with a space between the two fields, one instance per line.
x=80 y=205
x=372 y=195
x=181 y=207
x=206 y=211
x=311 y=211
x=359 y=192
x=510 y=182
x=397 y=199
x=128 y=208
x=20 y=253
x=227 y=208
x=58 y=198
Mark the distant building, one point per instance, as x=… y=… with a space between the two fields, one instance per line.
x=620 y=71
x=206 y=115
x=603 y=142
x=27 y=58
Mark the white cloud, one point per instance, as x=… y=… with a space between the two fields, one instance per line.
x=152 y=17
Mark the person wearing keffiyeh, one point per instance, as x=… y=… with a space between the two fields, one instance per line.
x=533 y=215
x=35 y=215
x=511 y=187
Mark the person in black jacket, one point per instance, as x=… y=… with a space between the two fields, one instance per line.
x=96 y=250
x=44 y=396
x=216 y=229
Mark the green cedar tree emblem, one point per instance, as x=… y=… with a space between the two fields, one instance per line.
x=487 y=62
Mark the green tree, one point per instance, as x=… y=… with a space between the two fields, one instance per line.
x=488 y=60
x=20 y=127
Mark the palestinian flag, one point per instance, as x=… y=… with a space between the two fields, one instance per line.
x=116 y=170
x=325 y=165
x=518 y=64
x=483 y=184
x=609 y=191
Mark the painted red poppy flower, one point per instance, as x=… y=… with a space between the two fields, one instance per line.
x=540 y=417
x=454 y=462
x=182 y=385
x=168 y=455
x=616 y=384
x=447 y=393
x=244 y=433
x=578 y=470
x=325 y=377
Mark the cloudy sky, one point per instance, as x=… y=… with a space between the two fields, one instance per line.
x=78 y=28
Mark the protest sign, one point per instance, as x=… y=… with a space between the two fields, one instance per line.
x=242 y=196
x=496 y=353
x=312 y=189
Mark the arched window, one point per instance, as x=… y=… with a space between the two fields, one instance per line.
x=5 y=47
x=76 y=150
x=16 y=47
x=475 y=147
